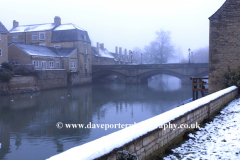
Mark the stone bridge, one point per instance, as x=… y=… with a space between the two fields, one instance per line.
x=136 y=74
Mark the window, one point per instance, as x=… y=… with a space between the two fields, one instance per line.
x=85 y=48
x=0 y=36
x=85 y=63
x=42 y=36
x=84 y=37
x=57 y=46
x=58 y=65
x=73 y=64
x=36 y=64
x=0 y=52
x=34 y=37
x=15 y=38
x=50 y=64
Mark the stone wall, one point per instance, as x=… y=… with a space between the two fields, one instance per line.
x=146 y=138
x=52 y=78
x=45 y=79
x=158 y=139
x=224 y=46
x=4 y=48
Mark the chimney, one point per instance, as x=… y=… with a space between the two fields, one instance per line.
x=15 y=23
x=120 y=53
x=125 y=55
x=102 y=46
x=97 y=48
x=116 y=52
x=57 y=21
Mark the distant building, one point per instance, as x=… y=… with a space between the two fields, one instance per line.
x=224 y=46
x=3 y=44
x=101 y=56
x=59 y=36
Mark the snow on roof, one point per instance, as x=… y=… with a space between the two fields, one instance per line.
x=35 y=50
x=104 y=53
x=32 y=28
x=106 y=144
x=68 y=26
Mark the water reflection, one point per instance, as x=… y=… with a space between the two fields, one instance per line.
x=28 y=122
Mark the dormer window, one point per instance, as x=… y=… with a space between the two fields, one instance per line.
x=84 y=37
x=15 y=38
x=42 y=36
x=34 y=37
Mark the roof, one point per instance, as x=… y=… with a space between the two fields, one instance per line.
x=218 y=11
x=3 y=28
x=70 y=35
x=68 y=26
x=34 y=50
x=32 y=28
x=102 y=52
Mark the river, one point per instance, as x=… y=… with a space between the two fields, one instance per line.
x=28 y=121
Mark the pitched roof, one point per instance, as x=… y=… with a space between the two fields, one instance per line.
x=3 y=28
x=69 y=35
x=35 y=50
x=32 y=28
x=67 y=26
x=218 y=11
x=102 y=52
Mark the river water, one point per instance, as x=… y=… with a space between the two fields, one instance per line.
x=28 y=121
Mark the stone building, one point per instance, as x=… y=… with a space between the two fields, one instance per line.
x=224 y=46
x=59 y=36
x=44 y=57
x=3 y=44
x=101 y=56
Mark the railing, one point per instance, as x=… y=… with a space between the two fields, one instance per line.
x=198 y=84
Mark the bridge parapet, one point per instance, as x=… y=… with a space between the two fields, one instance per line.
x=140 y=73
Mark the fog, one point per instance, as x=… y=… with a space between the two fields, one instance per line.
x=122 y=23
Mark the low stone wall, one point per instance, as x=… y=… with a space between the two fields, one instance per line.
x=146 y=138
x=52 y=78
x=45 y=79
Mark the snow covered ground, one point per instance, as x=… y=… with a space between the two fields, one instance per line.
x=218 y=140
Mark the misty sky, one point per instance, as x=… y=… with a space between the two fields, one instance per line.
x=123 y=23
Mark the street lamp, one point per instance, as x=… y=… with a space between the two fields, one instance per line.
x=192 y=56
x=141 y=57
x=189 y=54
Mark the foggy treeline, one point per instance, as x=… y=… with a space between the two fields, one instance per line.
x=161 y=50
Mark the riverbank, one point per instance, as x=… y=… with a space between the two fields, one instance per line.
x=219 y=139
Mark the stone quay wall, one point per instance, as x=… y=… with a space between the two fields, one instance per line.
x=159 y=139
x=147 y=138
x=45 y=79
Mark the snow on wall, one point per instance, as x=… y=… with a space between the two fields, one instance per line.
x=106 y=144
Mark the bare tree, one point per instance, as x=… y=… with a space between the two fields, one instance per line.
x=160 y=50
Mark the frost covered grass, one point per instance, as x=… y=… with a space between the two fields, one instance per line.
x=219 y=139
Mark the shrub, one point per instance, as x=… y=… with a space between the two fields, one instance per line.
x=232 y=77
x=7 y=66
x=24 y=70
x=5 y=75
x=124 y=155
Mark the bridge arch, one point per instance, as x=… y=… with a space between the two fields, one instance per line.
x=98 y=75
